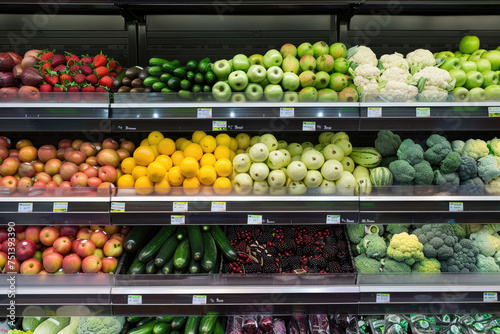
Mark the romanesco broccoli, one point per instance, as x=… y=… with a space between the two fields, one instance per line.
x=427 y=266
x=405 y=247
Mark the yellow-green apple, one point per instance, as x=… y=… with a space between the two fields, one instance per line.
x=109 y=264
x=113 y=247
x=91 y=264
x=85 y=248
x=238 y=81
x=72 y=263
x=52 y=262
x=31 y=266
x=48 y=235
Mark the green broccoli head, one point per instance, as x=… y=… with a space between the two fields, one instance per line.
x=450 y=179
x=366 y=265
x=392 y=266
x=423 y=174
x=473 y=183
x=487 y=168
x=450 y=163
x=476 y=148
x=437 y=153
x=457 y=146
x=355 y=232
x=427 y=266
x=387 y=143
x=487 y=264
x=438 y=240
x=436 y=139
x=467 y=169
x=402 y=171
x=372 y=246
x=464 y=258
x=410 y=152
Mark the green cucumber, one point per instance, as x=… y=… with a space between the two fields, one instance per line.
x=190 y=75
x=144 y=321
x=178 y=322
x=170 y=67
x=199 y=78
x=165 y=77
x=162 y=328
x=157 y=62
x=159 y=271
x=149 y=251
x=218 y=328
x=192 y=325
x=168 y=268
x=180 y=72
x=137 y=267
x=134 y=319
x=150 y=267
x=182 y=254
x=149 y=81
x=210 y=78
x=209 y=251
x=144 y=329
x=155 y=71
x=166 y=251
x=158 y=86
x=181 y=232
x=195 y=241
x=136 y=238
x=224 y=244
x=192 y=65
x=166 y=319
x=194 y=266
x=174 y=83
x=186 y=84
x=207 y=324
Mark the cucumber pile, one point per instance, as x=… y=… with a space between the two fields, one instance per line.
x=170 y=76
x=174 y=325
x=177 y=250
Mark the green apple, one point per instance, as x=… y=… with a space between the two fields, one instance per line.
x=260 y=188
x=322 y=80
x=493 y=57
x=338 y=50
x=307 y=79
x=341 y=65
x=327 y=95
x=444 y=54
x=477 y=94
x=264 y=83
x=313 y=178
x=469 y=44
x=258 y=152
x=272 y=58
x=221 y=91
x=242 y=163
x=274 y=74
x=325 y=63
x=307 y=63
x=290 y=81
x=325 y=137
x=254 y=91
x=270 y=141
x=492 y=93
x=308 y=94
x=297 y=188
x=276 y=179
x=489 y=78
x=307 y=144
x=290 y=64
x=240 y=63
x=320 y=48
x=483 y=65
x=313 y=159
x=305 y=49
x=296 y=170
x=273 y=93
x=461 y=94
x=295 y=149
x=468 y=66
x=256 y=59
x=238 y=80
x=332 y=170
x=474 y=79
x=256 y=73
x=238 y=97
x=338 y=82
x=243 y=140
x=477 y=54
x=291 y=97
x=463 y=57
x=451 y=63
x=457 y=54
x=288 y=50
x=282 y=145
x=222 y=69
x=459 y=75
x=254 y=140
x=327 y=187
x=243 y=184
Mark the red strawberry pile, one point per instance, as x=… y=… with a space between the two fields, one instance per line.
x=69 y=73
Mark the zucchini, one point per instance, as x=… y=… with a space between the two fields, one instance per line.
x=137 y=267
x=207 y=324
x=134 y=319
x=178 y=322
x=168 y=268
x=136 y=238
x=150 y=250
x=31 y=323
x=157 y=62
x=158 y=86
x=165 y=77
x=166 y=251
x=194 y=266
x=209 y=251
x=167 y=319
x=162 y=328
x=218 y=328
x=195 y=241
x=149 y=81
x=125 y=328
x=156 y=71
x=181 y=232
x=144 y=321
x=182 y=254
x=224 y=245
x=192 y=325
x=151 y=267
x=159 y=271
x=181 y=271
x=144 y=329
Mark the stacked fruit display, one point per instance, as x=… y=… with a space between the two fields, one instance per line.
x=65 y=249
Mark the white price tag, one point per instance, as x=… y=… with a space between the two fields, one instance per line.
x=333 y=219
x=117 y=207
x=134 y=300
x=287 y=112
x=254 y=219
x=456 y=207
x=383 y=298
x=308 y=126
x=374 y=112
x=490 y=297
x=423 y=112
x=180 y=207
x=199 y=300
x=25 y=207
x=204 y=113
x=219 y=125
x=177 y=220
x=494 y=111
x=218 y=207
x=60 y=207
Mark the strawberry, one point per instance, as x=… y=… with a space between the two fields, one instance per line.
x=46 y=67
x=86 y=69
x=46 y=88
x=92 y=79
x=101 y=71
x=118 y=68
x=60 y=89
x=46 y=55
x=51 y=78
x=79 y=78
x=57 y=60
x=60 y=68
x=65 y=78
x=71 y=58
x=106 y=82
x=88 y=89
x=101 y=89
x=112 y=64
x=87 y=59
x=75 y=69
x=75 y=93
x=113 y=74
x=100 y=60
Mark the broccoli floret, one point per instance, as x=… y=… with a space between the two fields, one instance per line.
x=436 y=139
x=438 y=240
x=100 y=325
x=459 y=230
x=387 y=143
x=423 y=174
x=464 y=258
x=476 y=148
x=427 y=266
x=405 y=247
x=451 y=163
x=365 y=265
x=487 y=264
x=474 y=182
x=411 y=152
x=467 y=169
x=487 y=168
x=402 y=171
x=439 y=147
x=386 y=161
x=372 y=246
x=398 y=228
x=486 y=240
x=355 y=232
x=457 y=146
x=450 y=179
x=393 y=266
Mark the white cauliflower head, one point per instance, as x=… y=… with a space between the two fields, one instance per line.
x=394 y=60
x=363 y=55
x=419 y=59
x=368 y=91
x=367 y=71
x=395 y=91
x=436 y=77
x=395 y=74
x=433 y=94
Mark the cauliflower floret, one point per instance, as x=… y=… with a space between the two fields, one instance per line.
x=395 y=91
x=420 y=59
x=433 y=94
x=395 y=60
x=395 y=74
x=362 y=55
x=367 y=71
x=436 y=77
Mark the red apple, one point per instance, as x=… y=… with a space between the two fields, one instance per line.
x=79 y=180
x=118 y=236
x=5 y=142
x=113 y=248
x=123 y=154
x=76 y=144
x=4 y=153
x=65 y=143
x=33 y=233
x=111 y=229
x=99 y=238
x=43 y=272
x=88 y=149
x=52 y=262
x=26 y=169
x=39 y=184
x=24 y=184
x=91 y=264
x=44 y=177
x=28 y=154
x=26 y=249
x=57 y=179
x=67 y=170
x=6 y=248
x=48 y=235
x=9 y=182
x=52 y=167
x=84 y=233
x=12 y=265
x=110 y=143
x=68 y=231
x=108 y=174
x=9 y=166
x=85 y=248
x=82 y=167
x=91 y=171
x=4 y=235
x=23 y=143
x=92 y=161
x=48 y=251
x=109 y=264
x=31 y=266
x=39 y=166
x=94 y=182
x=62 y=245
x=60 y=153
x=51 y=186
x=128 y=145
x=47 y=152
x=99 y=252
x=3 y=260
x=125 y=230
x=108 y=157
x=74 y=245
x=75 y=157
x=72 y=263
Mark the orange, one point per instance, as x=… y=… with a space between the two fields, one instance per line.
x=177 y=157
x=166 y=146
x=145 y=142
x=175 y=176
x=139 y=171
x=223 y=139
x=191 y=185
x=207 y=159
x=189 y=167
x=144 y=186
x=165 y=160
x=156 y=171
x=223 y=167
x=222 y=186
x=155 y=149
x=207 y=175
x=193 y=150
x=126 y=181
x=222 y=151
x=163 y=187
x=179 y=141
x=197 y=135
x=184 y=144
x=233 y=144
x=155 y=137
x=128 y=165
x=144 y=155
x=208 y=144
